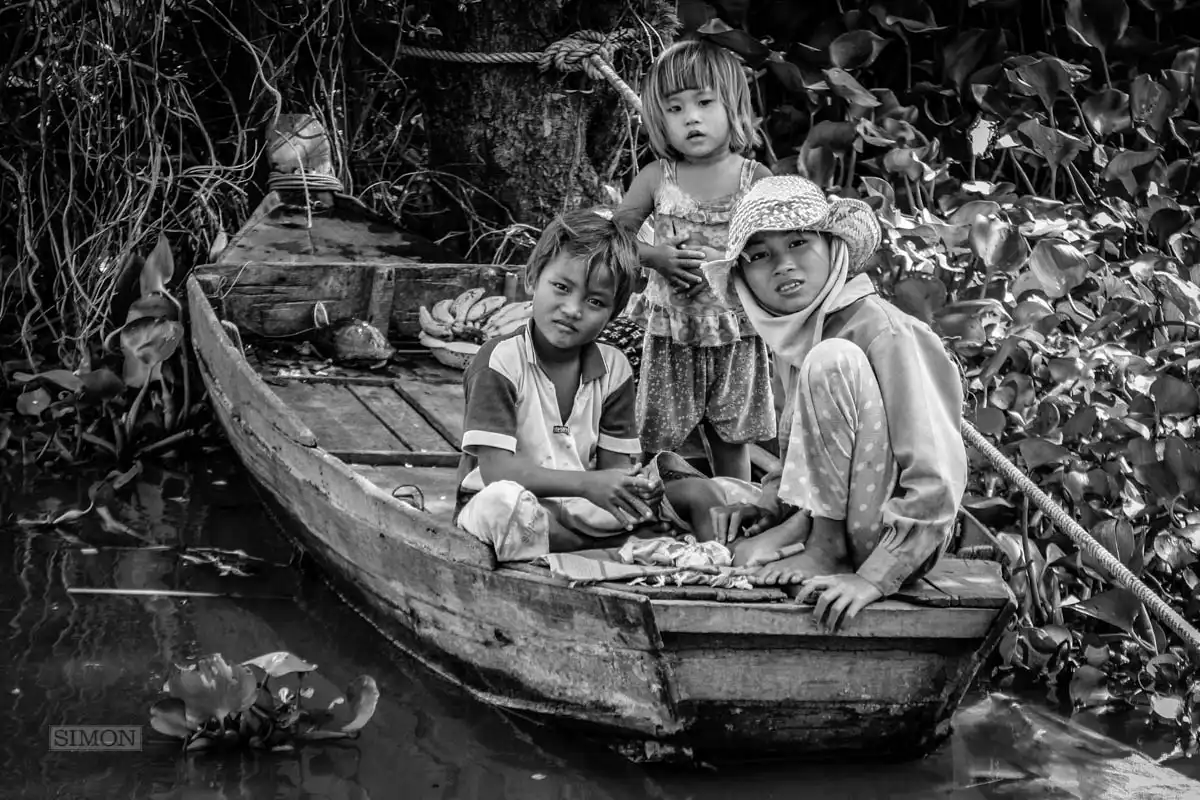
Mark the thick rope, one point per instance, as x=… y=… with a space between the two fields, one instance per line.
x=303 y=182
x=1082 y=538
x=587 y=51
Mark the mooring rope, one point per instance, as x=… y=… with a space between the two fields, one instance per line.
x=586 y=51
x=1082 y=538
x=306 y=181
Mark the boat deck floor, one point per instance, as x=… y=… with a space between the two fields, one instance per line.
x=400 y=427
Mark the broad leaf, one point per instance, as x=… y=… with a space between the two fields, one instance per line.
x=1058 y=265
x=169 y=717
x=101 y=385
x=1098 y=23
x=1121 y=166
x=1184 y=463
x=1180 y=86
x=1116 y=536
x=155 y=304
x=719 y=32
x=1107 y=112
x=1184 y=294
x=990 y=420
x=212 y=689
x=1089 y=687
x=788 y=74
x=362 y=695
x=1149 y=103
x=920 y=295
x=846 y=87
x=1174 y=398
x=1052 y=144
x=962 y=56
x=280 y=663
x=1117 y=607
x=1174 y=551
x=146 y=343
x=1165 y=223
x=856 y=49
x=998 y=244
x=1168 y=708
x=912 y=16
x=33 y=403
x=907 y=161
x=62 y=378
x=1037 y=452
x=968 y=212
x=158 y=268
x=831 y=134
x=1047 y=77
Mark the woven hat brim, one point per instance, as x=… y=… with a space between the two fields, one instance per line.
x=853 y=221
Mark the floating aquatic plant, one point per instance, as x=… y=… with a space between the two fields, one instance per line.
x=213 y=703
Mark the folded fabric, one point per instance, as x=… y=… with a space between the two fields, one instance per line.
x=656 y=562
x=671 y=552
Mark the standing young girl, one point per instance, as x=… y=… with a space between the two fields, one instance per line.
x=702 y=363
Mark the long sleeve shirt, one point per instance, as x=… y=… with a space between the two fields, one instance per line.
x=922 y=397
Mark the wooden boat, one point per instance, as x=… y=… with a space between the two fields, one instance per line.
x=656 y=672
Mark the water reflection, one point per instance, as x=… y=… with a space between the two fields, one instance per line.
x=70 y=658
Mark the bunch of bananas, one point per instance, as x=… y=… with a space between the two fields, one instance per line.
x=463 y=323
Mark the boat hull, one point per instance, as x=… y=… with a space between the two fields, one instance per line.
x=655 y=678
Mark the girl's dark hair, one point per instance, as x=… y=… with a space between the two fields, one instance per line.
x=694 y=65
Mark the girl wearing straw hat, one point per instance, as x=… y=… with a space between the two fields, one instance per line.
x=701 y=365
x=874 y=465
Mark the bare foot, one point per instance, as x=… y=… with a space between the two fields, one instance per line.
x=793 y=530
x=826 y=554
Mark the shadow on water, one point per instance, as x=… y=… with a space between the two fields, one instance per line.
x=72 y=658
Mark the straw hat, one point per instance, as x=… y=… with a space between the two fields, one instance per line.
x=789 y=203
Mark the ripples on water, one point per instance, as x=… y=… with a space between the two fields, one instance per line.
x=95 y=659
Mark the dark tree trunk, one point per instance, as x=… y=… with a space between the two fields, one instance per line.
x=537 y=143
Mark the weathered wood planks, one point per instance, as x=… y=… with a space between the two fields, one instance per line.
x=278 y=299
x=438 y=485
x=372 y=420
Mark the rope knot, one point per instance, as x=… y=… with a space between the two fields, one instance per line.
x=574 y=53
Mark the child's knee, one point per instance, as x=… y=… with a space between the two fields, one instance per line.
x=690 y=500
x=508 y=517
x=834 y=356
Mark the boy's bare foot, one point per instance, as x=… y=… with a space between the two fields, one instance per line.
x=825 y=554
x=793 y=530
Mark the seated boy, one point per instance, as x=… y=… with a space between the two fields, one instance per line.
x=550 y=444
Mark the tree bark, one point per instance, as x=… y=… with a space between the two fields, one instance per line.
x=536 y=143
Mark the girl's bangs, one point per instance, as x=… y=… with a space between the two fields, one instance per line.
x=690 y=71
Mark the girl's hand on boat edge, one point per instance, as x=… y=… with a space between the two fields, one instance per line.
x=839 y=598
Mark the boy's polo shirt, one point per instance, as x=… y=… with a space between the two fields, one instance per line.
x=511 y=404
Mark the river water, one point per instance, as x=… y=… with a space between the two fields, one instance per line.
x=92 y=658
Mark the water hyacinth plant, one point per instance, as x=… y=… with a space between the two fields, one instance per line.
x=1034 y=168
x=215 y=704
x=131 y=398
